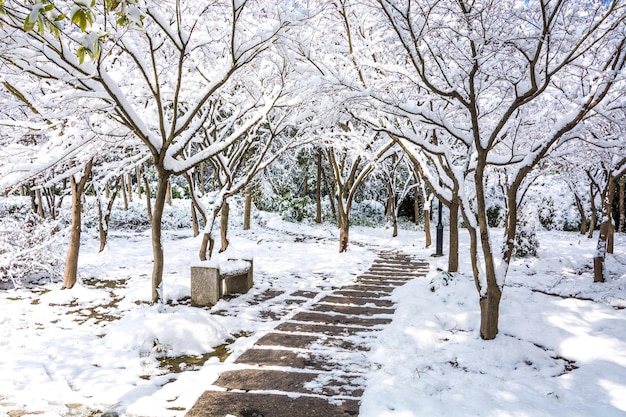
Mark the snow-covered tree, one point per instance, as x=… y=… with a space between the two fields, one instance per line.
x=499 y=84
x=166 y=71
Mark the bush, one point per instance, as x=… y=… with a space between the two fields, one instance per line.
x=28 y=247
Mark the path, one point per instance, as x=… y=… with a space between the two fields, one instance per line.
x=314 y=364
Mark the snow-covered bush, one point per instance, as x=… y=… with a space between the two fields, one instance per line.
x=296 y=208
x=29 y=246
x=367 y=213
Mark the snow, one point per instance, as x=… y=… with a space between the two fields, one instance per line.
x=561 y=349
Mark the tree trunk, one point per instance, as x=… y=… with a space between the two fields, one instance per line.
x=168 y=195
x=605 y=229
x=582 y=214
x=224 y=226
x=124 y=191
x=416 y=205
x=453 y=257
x=247 y=208
x=622 y=209
x=71 y=261
x=157 y=248
x=489 y=300
x=194 y=220
x=332 y=200
x=427 y=227
x=344 y=230
x=129 y=184
x=594 y=215
x=201 y=178
x=105 y=216
x=40 y=209
x=137 y=177
x=318 y=189
x=148 y=198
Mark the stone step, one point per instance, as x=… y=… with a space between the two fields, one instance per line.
x=334 y=299
x=242 y=404
x=322 y=329
x=352 y=310
x=340 y=319
x=327 y=384
x=297 y=359
x=302 y=341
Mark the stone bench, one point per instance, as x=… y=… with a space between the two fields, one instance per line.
x=210 y=282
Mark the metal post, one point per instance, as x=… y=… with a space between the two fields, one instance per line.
x=439 y=251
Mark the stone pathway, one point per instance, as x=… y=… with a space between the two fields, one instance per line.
x=314 y=364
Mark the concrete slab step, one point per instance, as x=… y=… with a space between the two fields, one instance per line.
x=241 y=404
x=322 y=329
x=327 y=384
x=340 y=319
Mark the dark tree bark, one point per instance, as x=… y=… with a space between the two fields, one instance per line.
x=318 y=189
x=453 y=257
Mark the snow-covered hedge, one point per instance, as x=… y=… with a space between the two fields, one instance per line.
x=30 y=246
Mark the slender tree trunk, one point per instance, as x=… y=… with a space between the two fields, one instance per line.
x=489 y=300
x=137 y=177
x=40 y=209
x=582 y=214
x=318 y=189
x=201 y=178
x=332 y=198
x=194 y=220
x=157 y=248
x=168 y=195
x=105 y=216
x=427 y=227
x=416 y=205
x=453 y=257
x=247 y=207
x=129 y=183
x=124 y=191
x=224 y=226
x=71 y=261
x=148 y=199
x=594 y=215
x=622 y=203
x=610 y=239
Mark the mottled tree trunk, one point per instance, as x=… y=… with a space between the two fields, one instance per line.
x=129 y=183
x=105 y=215
x=490 y=299
x=247 y=207
x=344 y=230
x=224 y=226
x=594 y=215
x=605 y=229
x=71 y=261
x=622 y=208
x=157 y=248
x=124 y=191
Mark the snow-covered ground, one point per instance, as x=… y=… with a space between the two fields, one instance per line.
x=96 y=347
